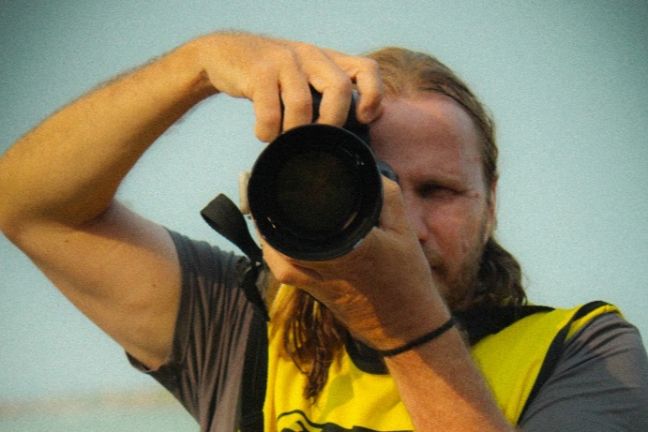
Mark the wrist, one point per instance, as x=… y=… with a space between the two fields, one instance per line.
x=428 y=337
x=184 y=63
x=406 y=324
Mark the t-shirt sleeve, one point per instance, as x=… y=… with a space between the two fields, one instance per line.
x=205 y=367
x=600 y=384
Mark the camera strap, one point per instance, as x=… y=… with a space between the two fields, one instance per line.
x=225 y=218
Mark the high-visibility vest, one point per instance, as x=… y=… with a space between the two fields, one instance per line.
x=515 y=362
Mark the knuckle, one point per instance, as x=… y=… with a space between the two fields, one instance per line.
x=341 y=85
x=346 y=86
x=285 y=276
x=279 y=56
x=286 y=55
x=300 y=101
x=305 y=49
x=280 y=274
x=369 y=64
x=268 y=116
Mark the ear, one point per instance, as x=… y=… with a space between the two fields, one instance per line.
x=491 y=211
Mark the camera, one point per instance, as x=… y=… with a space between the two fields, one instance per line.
x=315 y=192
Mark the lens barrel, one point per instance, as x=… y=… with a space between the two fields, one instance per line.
x=316 y=191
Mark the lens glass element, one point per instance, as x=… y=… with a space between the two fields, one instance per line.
x=317 y=193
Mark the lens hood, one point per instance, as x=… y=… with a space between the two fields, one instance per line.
x=315 y=192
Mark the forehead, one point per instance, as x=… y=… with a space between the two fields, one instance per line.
x=429 y=134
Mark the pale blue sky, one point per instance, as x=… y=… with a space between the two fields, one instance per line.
x=566 y=82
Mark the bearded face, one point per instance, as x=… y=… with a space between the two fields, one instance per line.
x=434 y=147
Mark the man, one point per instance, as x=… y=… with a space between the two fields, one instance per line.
x=176 y=308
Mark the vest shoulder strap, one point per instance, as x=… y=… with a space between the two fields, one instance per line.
x=575 y=323
x=255 y=376
x=518 y=360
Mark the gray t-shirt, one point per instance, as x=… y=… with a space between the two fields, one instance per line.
x=600 y=382
x=205 y=367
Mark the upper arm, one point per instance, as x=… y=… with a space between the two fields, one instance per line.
x=120 y=270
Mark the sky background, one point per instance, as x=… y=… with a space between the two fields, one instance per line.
x=565 y=81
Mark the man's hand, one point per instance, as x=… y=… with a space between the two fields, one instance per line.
x=272 y=72
x=383 y=291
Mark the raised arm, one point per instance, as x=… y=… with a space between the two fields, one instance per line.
x=58 y=182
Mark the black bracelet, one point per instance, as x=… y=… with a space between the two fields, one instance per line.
x=420 y=340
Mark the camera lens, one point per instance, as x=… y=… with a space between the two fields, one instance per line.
x=315 y=192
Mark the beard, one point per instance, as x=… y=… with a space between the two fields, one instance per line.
x=458 y=284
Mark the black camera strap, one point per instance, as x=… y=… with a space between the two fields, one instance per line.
x=223 y=216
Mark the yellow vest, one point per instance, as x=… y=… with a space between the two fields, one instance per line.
x=510 y=360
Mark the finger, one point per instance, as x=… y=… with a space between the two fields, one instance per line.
x=328 y=79
x=296 y=98
x=267 y=111
x=336 y=102
x=287 y=270
x=370 y=89
x=393 y=215
x=364 y=72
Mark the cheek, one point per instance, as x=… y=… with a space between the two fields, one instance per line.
x=456 y=232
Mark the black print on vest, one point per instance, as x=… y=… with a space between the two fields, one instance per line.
x=296 y=421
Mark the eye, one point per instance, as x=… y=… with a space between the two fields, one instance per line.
x=434 y=190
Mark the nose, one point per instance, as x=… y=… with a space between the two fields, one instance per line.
x=416 y=217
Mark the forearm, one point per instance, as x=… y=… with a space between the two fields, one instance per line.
x=443 y=390
x=68 y=168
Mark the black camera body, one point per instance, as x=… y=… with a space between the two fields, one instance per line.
x=316 y=191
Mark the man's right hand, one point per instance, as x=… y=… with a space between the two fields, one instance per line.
x=270 y=72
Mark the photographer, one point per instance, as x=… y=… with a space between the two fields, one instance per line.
x=424 y=325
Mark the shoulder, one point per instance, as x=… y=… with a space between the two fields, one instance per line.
x=611 y=342
x=602 y=371
x=200 y=257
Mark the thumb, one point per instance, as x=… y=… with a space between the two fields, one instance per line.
x=393 y=215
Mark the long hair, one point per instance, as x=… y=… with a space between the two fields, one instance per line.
x=312 y=336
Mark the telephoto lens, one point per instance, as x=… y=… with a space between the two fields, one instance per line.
x=316 y=190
